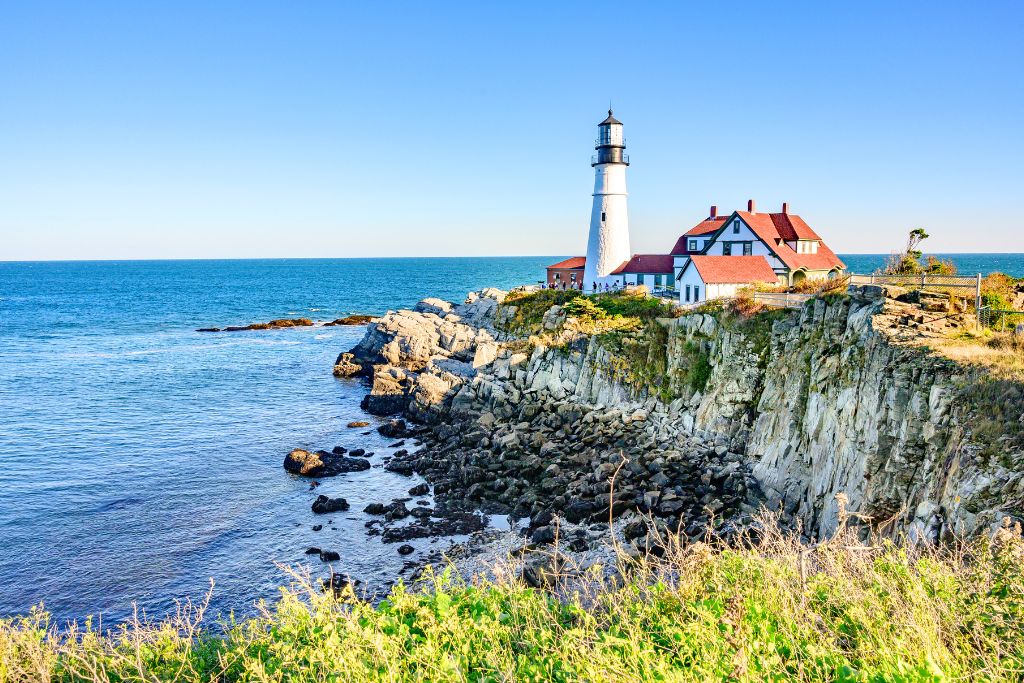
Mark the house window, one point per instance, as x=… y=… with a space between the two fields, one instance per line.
x=736 y=228
x=696 y=293
x=658 y=280
x=726 y=248
x=572 y=276
x=747 y=248
x=693 y=245
x=687 y=292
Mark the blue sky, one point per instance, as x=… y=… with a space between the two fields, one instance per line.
x=331 y=129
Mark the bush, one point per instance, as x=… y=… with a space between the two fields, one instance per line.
x=528 y=308
x=585 y=308
x=631 y=305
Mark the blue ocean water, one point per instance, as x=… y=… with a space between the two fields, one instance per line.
x=140 y=458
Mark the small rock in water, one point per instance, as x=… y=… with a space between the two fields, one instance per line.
x=420 y=490
x=329 y=556
x=358 y=423
x=323 y=505
x=405 y=549
x=339 y=450
x=312 y=550
x=374 y=509
x=394 y=429
x=318 y=527
x=358 y=453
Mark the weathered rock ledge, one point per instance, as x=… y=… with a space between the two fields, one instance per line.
x=787 y=410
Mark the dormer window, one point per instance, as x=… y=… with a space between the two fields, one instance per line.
x=692 y=246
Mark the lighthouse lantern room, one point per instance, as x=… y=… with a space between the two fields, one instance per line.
x=608 y=243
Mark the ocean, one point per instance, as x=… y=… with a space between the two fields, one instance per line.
x=142 y=460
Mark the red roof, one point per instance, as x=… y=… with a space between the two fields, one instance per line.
x=775 y=229
x=705 y=227
x=646 y=263
x=570 y=263
x=715 y=270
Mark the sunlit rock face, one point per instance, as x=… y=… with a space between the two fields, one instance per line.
x=818 y=402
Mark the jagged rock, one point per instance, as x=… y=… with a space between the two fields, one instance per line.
x=350 y=320
x=375 y=509
x=324 y=505
x=280 y=323
x=395 y=429
x=420 y=490
x=321 y=463
x=347 y=366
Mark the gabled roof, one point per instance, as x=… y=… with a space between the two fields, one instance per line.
x=775 y=229
x=705 y=227
x=571 y=263
x=646 y=263
x=719 y=270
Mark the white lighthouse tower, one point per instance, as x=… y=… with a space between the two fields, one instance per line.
x=608 y=244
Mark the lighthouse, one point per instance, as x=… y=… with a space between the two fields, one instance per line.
x=608 y=244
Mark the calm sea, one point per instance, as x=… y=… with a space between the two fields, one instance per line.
x=141 y=459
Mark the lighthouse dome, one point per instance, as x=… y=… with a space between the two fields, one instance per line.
x=610 y=120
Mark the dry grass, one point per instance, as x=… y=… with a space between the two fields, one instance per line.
x=761 y=607
x=1000 y=353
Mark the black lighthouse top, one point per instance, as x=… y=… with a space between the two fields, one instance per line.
x=610 y=143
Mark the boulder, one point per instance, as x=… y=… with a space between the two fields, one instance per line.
x=324 y=505
x=329 y=556
x=394 y=429
x=321 y=463
x=347 y=366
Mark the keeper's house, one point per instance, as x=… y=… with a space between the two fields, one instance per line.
x=771 y=248
x=721 y=254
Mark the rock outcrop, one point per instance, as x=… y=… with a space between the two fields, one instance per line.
x=788 y=409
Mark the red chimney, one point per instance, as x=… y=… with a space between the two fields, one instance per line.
x=785 y=208
x=750 y=206
x=714 y=212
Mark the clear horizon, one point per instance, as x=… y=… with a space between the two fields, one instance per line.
x=254 y=130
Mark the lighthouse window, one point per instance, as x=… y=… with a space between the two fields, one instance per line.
x=602 y=216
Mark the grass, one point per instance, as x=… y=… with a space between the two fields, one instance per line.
x=530 y=307
x=758 y=609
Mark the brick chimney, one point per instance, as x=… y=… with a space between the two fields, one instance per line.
x=714 y=212
x=750 y=206
x=785 y=208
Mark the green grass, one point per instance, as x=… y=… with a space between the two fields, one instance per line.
x=765 y=611
x=530 y=307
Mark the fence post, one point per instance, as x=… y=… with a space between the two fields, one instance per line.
x=977 y=300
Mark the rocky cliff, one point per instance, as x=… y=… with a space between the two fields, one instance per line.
x=787 y=409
